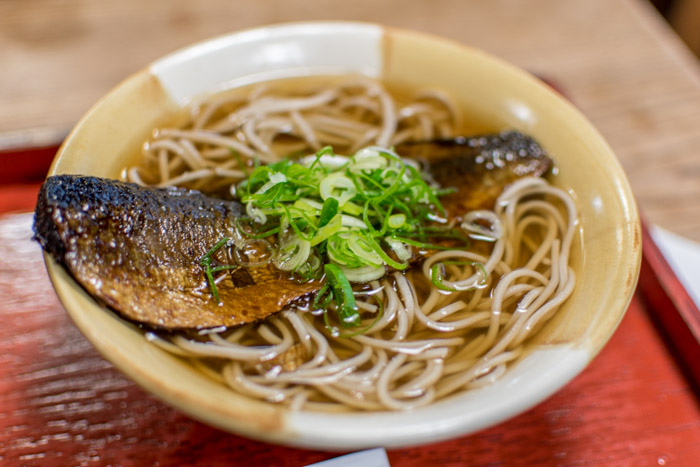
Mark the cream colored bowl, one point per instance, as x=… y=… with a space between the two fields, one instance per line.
x=488 y=91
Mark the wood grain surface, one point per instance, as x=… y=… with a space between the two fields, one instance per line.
x=62 y=404
x=617 y=59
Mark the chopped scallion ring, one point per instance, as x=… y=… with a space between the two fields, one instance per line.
x=348 y=315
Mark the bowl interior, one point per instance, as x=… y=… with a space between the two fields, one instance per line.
x=491 y=95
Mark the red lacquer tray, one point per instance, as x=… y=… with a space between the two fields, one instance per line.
x=62 y=404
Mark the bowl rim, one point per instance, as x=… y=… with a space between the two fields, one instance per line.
x=568 y=360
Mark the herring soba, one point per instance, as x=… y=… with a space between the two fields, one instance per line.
x=421 y=338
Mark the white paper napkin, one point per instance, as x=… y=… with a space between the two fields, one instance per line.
x=683 y=256
x=369 y=458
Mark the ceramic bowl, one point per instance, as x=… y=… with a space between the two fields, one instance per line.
x=489 y=93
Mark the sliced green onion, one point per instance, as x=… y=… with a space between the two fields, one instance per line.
x=293 y=253
x=363 y=274
x=207 y=256
x=337 y=185
x=436 y=278
x=339 y=252
x=400 y=250
x=255 y=213
x=265 y=234
x=427 y=191
x=307 y=204
x=425 y=245
x=348 y=315
x=445 y=191
x=364 y=330
x=351 y=208
x=275 y=179
x=212 y=283
x=206 y=262
x=328 y=211
x=384 y=256
x=349 y=221
x=297 y=226
x=363 y=248
x=396 y=221
x=224 y=268
x=367 y=159
x=325 y=158
x=322 y=298
x=333 y=226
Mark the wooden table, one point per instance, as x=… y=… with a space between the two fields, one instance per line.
x=60 y=403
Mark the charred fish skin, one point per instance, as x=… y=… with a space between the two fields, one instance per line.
x=71 y=207
x=137 y=249
x=479 y=167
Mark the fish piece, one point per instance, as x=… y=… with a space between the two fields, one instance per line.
x=479 y=167
x=138 y=249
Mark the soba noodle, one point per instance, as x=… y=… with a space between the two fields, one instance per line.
x=266 y=125
x=426 y=344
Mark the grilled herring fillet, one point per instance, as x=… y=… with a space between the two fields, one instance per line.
x=479 y=167
x=138 y=250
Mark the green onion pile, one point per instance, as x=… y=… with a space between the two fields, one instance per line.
x=360 y=213
x=345 y=218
